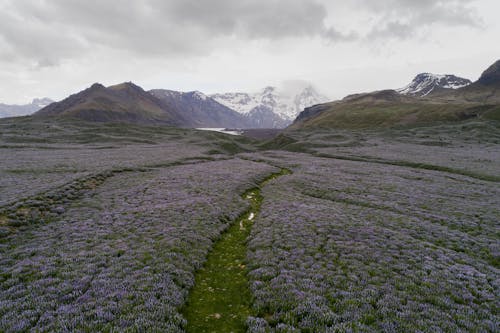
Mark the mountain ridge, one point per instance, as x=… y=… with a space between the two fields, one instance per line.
x=200 y=110
x=125 y=102
x=388 y=108
x=270 y=105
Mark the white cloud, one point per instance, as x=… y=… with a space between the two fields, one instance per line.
x=53 y=48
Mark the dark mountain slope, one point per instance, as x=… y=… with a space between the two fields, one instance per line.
x=491 y=76
x=124 y=102
x=486 y=90
x=200 y=110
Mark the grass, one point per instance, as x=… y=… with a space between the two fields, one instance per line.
x=370 y=239
x=220 y=300
x=369 y=115
x=414 y=165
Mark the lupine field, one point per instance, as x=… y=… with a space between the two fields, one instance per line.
x=108 y=228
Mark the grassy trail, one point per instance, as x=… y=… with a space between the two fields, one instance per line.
x=220 y=300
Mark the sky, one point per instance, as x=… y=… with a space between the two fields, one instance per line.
x=53 y=48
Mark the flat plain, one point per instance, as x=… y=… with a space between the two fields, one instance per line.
x=106 y=227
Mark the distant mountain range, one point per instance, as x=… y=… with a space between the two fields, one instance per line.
x=7 y=110
x=199 y=110
x=270 y=107
x=124 y=102
x=428 y=99
x=127 y=102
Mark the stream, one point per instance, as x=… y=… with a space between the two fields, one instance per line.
x=220 y=300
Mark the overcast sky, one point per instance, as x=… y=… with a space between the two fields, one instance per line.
x=52 y=48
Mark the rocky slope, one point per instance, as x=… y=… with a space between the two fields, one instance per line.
x=129 y=103
x=124 y=102
x=200 y=110
x=491 y=76
x=485 y=91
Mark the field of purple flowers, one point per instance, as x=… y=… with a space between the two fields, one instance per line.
x=103 y=227
x=472 y=149
x=28 y=171
x=124 y=257
x=353 y=246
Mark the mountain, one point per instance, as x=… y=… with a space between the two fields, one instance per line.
x=388 y=108
x=129 y=103
x=124 y=102
x=270 y=107
x=200 y=110
x=485 y=91
x=425 y=83
x=491 y=76
x=263 y=116
x=7 y=110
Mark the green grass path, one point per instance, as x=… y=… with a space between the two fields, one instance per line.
x=220 y=300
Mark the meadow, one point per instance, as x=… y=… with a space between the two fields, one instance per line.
x=111 y=228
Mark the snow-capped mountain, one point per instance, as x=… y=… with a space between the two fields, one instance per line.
x=425 y=83
x=199 y=110
x=7 y=110
x=271 y=106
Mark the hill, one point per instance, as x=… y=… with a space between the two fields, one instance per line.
x=125 y=102
x=389 y=108
x=486 y=90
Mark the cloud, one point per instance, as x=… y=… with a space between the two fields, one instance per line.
x=403 y=19
x=50 y=31
x=55 y=47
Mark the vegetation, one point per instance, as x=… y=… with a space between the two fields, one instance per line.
x=220 y=300
x=137 y=228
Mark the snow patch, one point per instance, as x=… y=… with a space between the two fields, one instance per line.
x=425 y=83
x=286 y=105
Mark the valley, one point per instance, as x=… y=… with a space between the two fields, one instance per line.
x=109 y=227
x=306 y=166
x=377 y=212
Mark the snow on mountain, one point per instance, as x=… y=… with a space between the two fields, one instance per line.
x=42 y=102
x=425 y=83
x=199 y=95
x=199 y=110
x=283 y=104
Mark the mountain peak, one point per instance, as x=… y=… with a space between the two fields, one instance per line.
x=491 y=76
x=125 y=86
x=96 y=85
x=199 y=95
x=271 y=104
x=124 y=103
x=425 y=83
x=201 y=110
